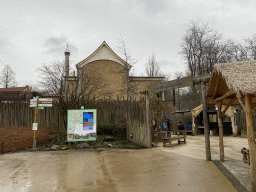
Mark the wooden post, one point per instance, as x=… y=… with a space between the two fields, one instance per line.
x=220 y=132
x=35 y=121
x=251 y=141
x=206 y=125
x=148 y=127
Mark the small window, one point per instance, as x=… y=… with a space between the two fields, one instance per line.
x=213 y=118
x=226 y=118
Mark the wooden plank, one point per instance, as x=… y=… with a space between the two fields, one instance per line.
x=216 y=87
x=239 y=97
x=251 y=140
x=254 y=109
x=174 y=84
x=206 y=125
x=228 y=105
x=147 y=119
x=220 y=132
x=229 y=93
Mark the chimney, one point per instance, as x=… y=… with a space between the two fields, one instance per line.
x=67 y=54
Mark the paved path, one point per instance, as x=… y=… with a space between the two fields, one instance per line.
x=195 y=147
x=152 y=170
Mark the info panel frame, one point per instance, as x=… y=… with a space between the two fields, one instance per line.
x=81 y=125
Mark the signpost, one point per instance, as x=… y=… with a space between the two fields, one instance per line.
x=38 y=103
x=36 y=123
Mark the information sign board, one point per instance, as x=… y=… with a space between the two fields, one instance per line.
x=44 y=105
x=35 y=125
x=81 y=125
x=42 y=102
x=46 y=99
x=33 y=102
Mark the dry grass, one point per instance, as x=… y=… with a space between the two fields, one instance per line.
x=20 y=138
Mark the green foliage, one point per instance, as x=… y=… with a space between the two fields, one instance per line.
x=115 y=131
x=123 y=144
x=112 y=130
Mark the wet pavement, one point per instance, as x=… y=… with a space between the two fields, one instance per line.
x=195 y=147
x=177 y=168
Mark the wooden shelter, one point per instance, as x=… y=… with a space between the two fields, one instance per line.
x=234 y=84
x=230 y=124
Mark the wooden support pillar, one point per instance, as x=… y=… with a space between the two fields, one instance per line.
x=251 y=141
x=220 y=131
x=206 y=124
x=35 y=121
x=148 y=125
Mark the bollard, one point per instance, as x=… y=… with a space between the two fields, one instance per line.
x=2 y=147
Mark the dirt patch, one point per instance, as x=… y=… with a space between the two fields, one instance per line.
x=20 y=138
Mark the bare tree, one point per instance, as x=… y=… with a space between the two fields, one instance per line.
x=178 y=75
x=8 y=77
x=250 y=45
x=54 y=83
x=236 y=51
x=152 y=67
x=202 y=47
x=126 y=56
x=53 y=78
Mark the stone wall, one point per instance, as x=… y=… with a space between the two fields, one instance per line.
x=104 y=78
x=140 y=84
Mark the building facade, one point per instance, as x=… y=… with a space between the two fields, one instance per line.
x=104 y=74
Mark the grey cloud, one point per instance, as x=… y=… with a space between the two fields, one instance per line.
x=58 y=45
x=165 y=63
x=153 y=7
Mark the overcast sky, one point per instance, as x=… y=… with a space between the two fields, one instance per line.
x=33 y=32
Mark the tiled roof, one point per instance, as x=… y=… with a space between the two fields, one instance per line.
x=12 y=89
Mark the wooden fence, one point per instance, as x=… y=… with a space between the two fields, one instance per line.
x=109 y=112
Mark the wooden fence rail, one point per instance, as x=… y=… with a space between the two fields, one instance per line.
x=111 y=112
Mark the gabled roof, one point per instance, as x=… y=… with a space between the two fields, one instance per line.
x=231 y=78
x=13 y=89
x=104 y=52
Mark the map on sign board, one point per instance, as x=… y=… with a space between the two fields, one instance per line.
x=81 y=125
x=35 y=125
x=42 y=102
x=33 y=102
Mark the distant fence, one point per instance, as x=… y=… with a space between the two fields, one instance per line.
x=112 y=112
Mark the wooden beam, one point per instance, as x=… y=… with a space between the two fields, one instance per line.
x=202 y=79
x=239 y=97
x=251 y=140
x=227 y=106
x=148 y=127
x=229 y=93
x=174 y=84
x=216 y=87
x=221 y=145
x=179 y=83
x=254 y=109
x=206 y=124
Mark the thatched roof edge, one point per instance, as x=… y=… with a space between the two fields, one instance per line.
x=239 y=76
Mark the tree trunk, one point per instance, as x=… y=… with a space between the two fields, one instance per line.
x=206 y=125
x=251 y=141
x=220 y=133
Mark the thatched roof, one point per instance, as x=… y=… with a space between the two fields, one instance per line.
x=240 y=76
x=196 y=111
x=237 y=77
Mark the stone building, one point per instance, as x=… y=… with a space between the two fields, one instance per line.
x=104 y=74
x=17 y=94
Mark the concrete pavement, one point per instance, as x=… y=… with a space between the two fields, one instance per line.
x=157 y=169
x=233 y=166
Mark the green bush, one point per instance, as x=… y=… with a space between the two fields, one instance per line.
x=112 y=130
